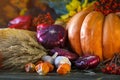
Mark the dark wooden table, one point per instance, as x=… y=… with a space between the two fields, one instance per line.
x=55 y=76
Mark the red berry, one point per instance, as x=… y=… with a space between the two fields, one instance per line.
x=105 y=5
x=109 y=68
x=114 y=72
x=103 y=70
x=113 y=65
x=118 y=71
x=107 y=64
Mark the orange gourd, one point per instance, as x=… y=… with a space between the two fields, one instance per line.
x=64 y=69
x=95 y=33
x=43 y=68
x=51 y=67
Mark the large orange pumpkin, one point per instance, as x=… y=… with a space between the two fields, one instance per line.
x=94 y=33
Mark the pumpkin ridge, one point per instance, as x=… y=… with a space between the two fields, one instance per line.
x=74 y=27
x=111 y=37
x=91 y=34
x=102 y=35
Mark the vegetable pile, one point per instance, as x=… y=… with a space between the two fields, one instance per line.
x=92 y=35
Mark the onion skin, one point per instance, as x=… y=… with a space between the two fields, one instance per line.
x=21 y=22
x=63 y=52
x=87 y=62
x=51 y=36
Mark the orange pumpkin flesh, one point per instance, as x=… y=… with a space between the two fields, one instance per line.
x=91 y=34
x=74 y=27
x=95 y=34
x=111 y=36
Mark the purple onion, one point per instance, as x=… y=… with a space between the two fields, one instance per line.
x=51 y=36
x=87 y=62
x=63 y=52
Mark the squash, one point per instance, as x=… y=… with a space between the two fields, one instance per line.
x=95 y=33
x=63 y=65
x=42 y=68
x=64 y=69
x=51 y=66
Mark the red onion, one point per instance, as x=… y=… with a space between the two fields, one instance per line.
x=51 y=36
x=63 y=52
x=87 y=62
x=21 y=22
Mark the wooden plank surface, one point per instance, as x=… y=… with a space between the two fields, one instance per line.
x=55 y=76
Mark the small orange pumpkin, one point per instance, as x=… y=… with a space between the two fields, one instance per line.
x=51 y=67
x=64 y=69
x=42 y=68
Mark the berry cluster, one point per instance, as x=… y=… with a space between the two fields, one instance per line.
x=107 y=6
x=43 y=18
x=113 y=67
